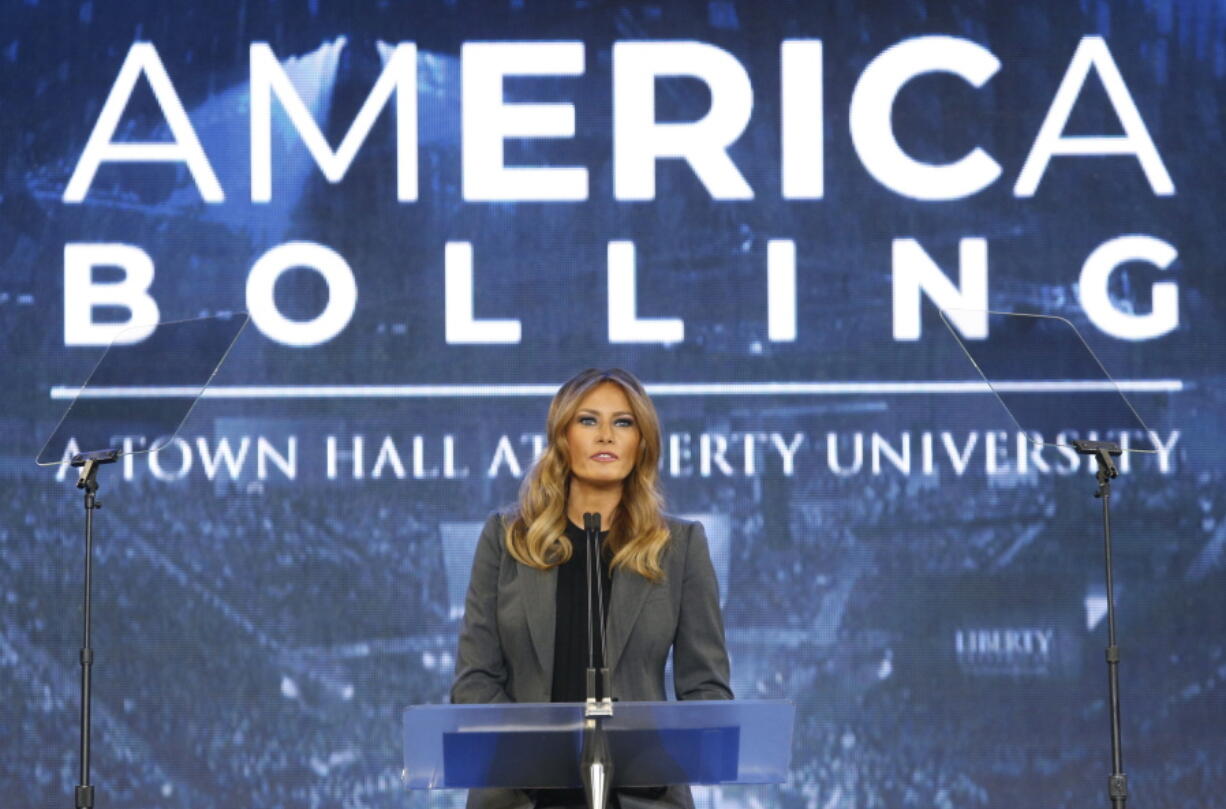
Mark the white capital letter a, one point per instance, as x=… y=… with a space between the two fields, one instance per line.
x=1092 y=53
x=184 y=148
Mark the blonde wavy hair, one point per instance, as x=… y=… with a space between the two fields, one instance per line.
x=536 y=527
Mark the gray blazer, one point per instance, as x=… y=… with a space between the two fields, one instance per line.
x=506 y=642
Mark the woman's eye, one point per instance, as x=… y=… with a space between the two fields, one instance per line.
x=587 y=420
x=624 y=422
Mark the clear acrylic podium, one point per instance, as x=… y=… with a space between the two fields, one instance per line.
x=538 y=745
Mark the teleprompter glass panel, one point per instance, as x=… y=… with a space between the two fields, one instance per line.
x=1048 y=379
x=145 y=384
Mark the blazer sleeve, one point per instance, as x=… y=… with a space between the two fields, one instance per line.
x=481 y=670
x=700 y=658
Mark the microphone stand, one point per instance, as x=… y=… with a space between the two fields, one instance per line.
x=1102 y=452
x=88 y=481
x=596 y=762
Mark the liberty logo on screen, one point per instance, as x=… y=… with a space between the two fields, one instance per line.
x=1005 y=650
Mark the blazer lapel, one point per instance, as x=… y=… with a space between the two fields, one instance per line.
x=540 y=594
x=629 y=592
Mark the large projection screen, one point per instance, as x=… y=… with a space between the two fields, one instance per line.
x=435 y=212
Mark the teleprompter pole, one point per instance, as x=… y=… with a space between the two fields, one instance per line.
x=88 y=481
x=1102 y=452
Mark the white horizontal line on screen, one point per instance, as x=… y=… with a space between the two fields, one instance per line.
x=845 y=388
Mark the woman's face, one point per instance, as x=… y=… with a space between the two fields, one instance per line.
x=603 y=437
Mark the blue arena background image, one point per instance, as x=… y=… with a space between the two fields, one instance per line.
x=273 y=588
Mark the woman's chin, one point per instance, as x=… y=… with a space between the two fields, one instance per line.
x=601 y=479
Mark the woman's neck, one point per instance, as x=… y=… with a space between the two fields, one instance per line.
x=585 y=499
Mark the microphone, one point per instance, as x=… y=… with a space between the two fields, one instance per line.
x=599 y=686
x=596 y=760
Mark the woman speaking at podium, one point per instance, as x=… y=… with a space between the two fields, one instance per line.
x=525 y=632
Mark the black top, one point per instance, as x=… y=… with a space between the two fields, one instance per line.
x=570 y=637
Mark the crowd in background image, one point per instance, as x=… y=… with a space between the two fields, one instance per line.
x=257 y=647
